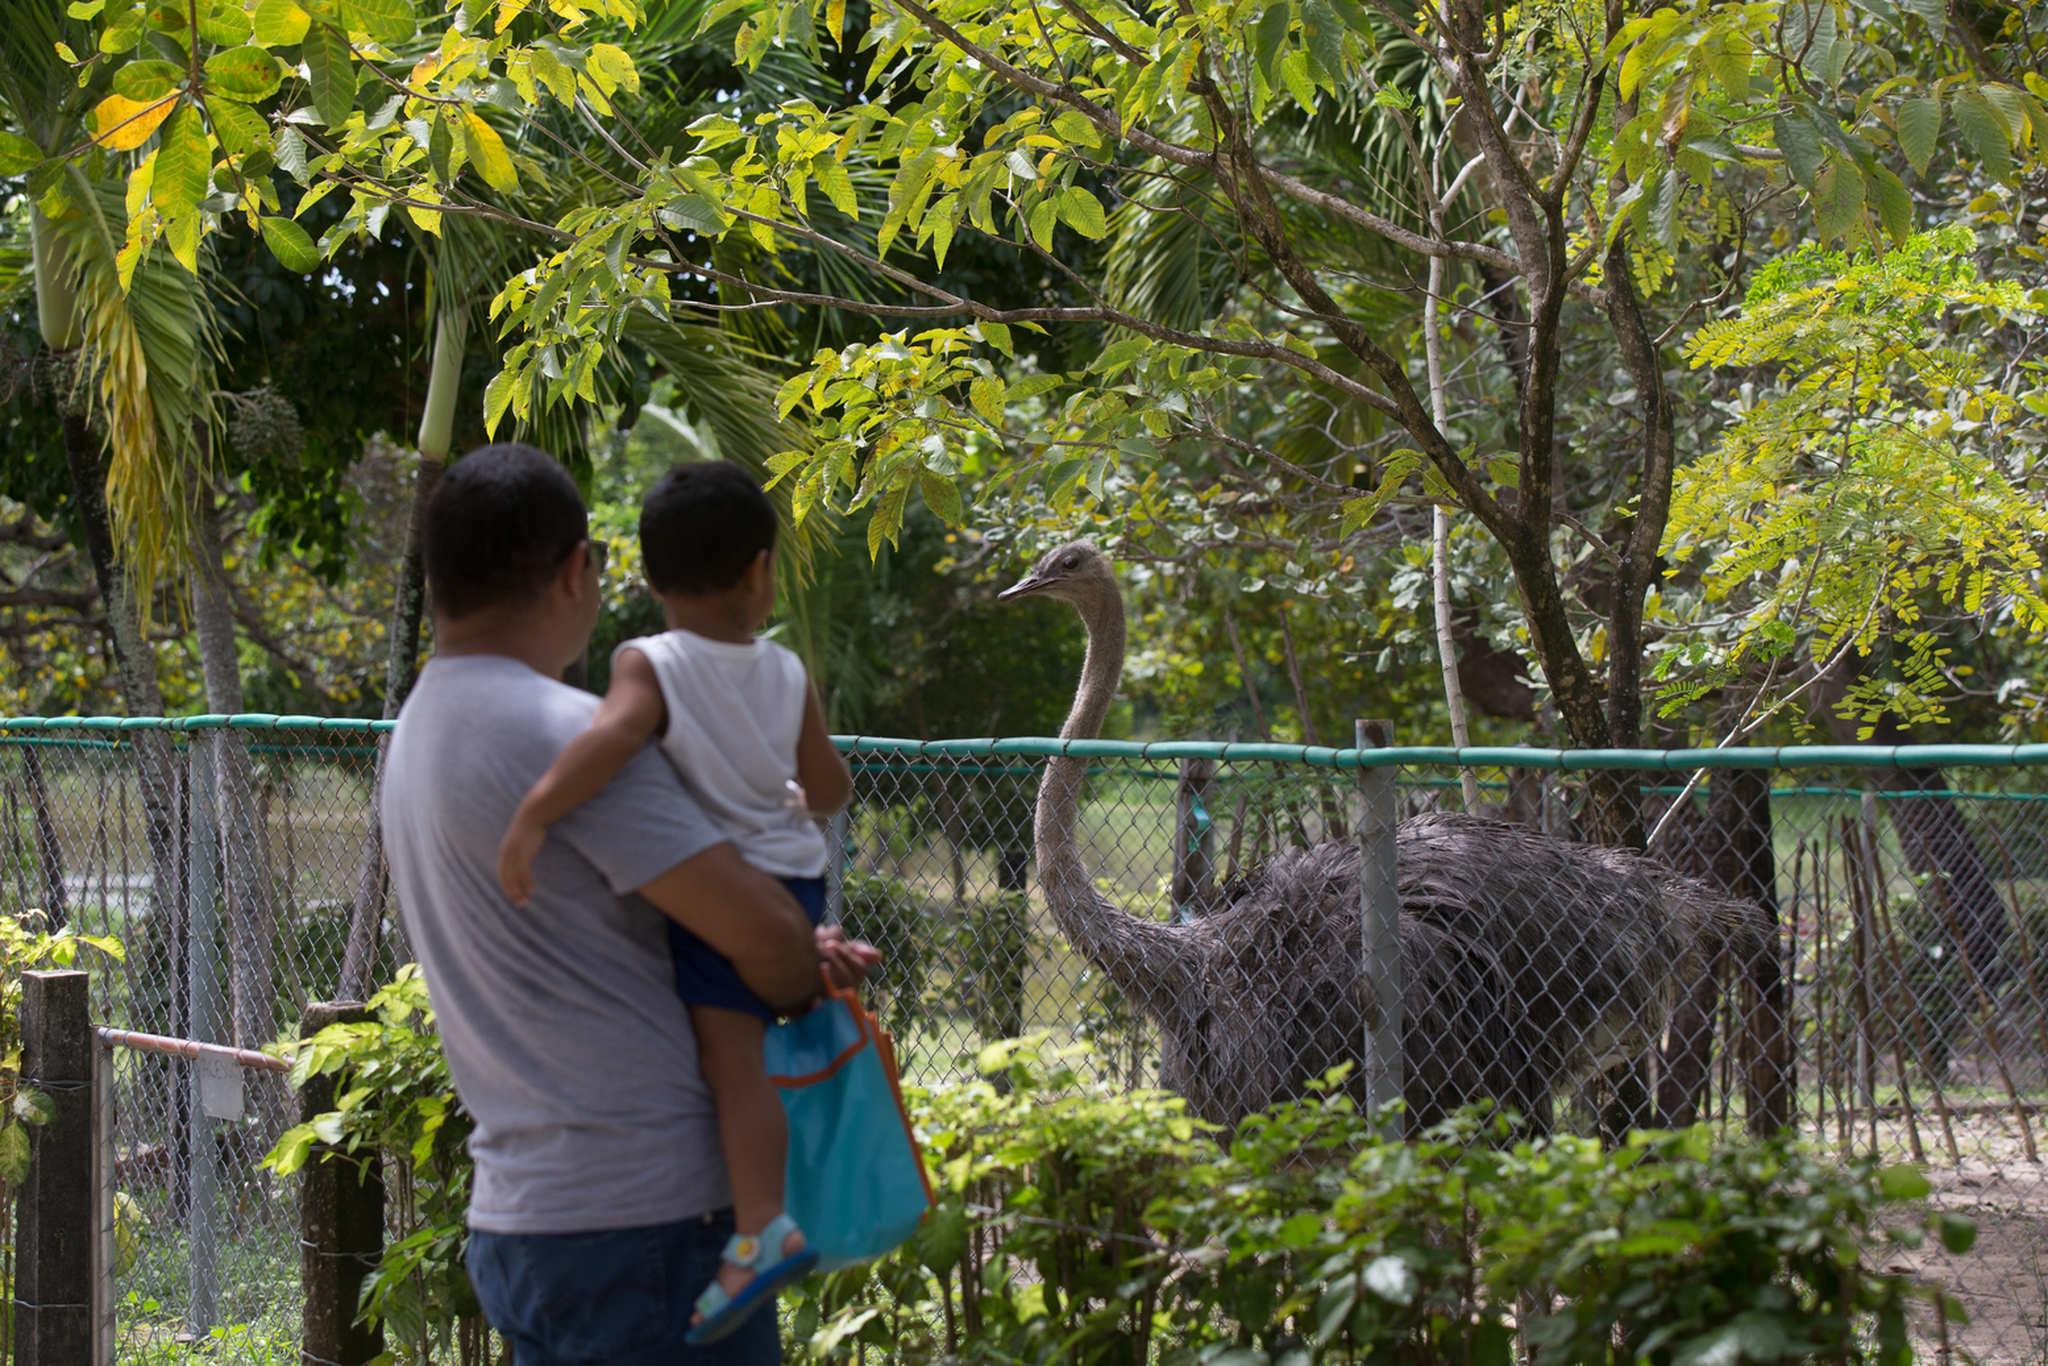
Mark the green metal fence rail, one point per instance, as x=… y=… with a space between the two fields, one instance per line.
x=1221 y=751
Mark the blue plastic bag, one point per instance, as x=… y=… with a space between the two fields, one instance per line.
x=855 y=1182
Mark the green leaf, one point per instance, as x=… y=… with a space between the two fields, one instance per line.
x=85 y=9
x=1894 y=205
x=291 y=244
x=1076 y=127
x=1958 y=1234
x=241 y=130
x=1919 y=132
x=290 y=153
x=998 y=336
x=1294 y=75
x=388 y=21
x=148 y=80
x=18 y=155
x=1043 y=216
x=1837 y=199
x=248 y=74
x=184 y=160
x=498 y=397
x=941 y=496
x=1325 y=35
x=331 y=73
x=1800 y=141
x=487 y=153
x=33 y=1107
x=986 y=396
x=1902 y=1183
x=837 y=185
x=13 y=1153
x=280 y=23
x=1271 y=37
x=1985 y=131
x=1082 y=212
x=1118 y=356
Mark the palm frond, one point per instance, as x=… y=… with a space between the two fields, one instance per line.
x=148 y=361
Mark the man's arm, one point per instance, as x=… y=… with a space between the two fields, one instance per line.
x=747 y=916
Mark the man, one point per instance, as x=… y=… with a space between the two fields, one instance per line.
x=600 y=1203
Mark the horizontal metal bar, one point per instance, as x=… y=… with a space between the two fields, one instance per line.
x=1314 y=756
x=190 y=1048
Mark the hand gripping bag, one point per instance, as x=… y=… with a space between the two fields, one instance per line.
x=855 y=1181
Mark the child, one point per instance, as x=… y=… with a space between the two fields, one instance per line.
x=743 y=724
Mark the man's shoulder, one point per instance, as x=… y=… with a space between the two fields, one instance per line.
x=480 y=715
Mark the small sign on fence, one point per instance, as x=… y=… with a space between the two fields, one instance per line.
x=220 y=1086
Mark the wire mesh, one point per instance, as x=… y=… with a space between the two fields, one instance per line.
x=1857 y=950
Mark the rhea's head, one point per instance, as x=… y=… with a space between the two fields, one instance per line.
x=1076 y=572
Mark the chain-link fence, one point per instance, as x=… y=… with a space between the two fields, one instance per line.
x=1854 y=942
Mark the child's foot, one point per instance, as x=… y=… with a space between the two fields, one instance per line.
x=751 y=1271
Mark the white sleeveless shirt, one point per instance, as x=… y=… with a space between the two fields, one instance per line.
x=734 y=715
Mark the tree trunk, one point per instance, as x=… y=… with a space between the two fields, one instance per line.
x=245 y=844
x=1935 y=841
x=401 y=664
x=49 y=854
x=1745 y=865
x=153 y=970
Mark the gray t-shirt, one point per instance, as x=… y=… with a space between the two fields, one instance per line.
x=564 y=1034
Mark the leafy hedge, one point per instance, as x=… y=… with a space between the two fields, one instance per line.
x=1078 y=1225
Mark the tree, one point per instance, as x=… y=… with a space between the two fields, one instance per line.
x=1585 y=131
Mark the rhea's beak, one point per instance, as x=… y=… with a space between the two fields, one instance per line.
x=1030 y=583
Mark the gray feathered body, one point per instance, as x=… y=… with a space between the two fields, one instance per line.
x=1529 y=965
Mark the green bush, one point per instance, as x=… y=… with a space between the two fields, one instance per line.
x=1077 y=1224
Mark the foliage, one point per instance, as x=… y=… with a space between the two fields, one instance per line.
x=28 y=945
x=1077 y=1226
x=396 y=1105
x=1872 y=486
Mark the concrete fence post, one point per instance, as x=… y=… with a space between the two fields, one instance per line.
x=1380 y=912
x=55 y=1230
x=341 y=1223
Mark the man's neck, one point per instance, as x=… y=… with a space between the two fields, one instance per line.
x=508 y=634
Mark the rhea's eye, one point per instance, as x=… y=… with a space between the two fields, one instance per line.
x=1070 y=561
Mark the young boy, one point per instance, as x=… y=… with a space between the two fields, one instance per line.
x=743 y=724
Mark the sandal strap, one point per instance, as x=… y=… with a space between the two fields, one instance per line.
x=774 y=1235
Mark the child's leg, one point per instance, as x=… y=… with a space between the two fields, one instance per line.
x=751 y=1124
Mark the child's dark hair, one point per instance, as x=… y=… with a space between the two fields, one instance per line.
x=701 y=525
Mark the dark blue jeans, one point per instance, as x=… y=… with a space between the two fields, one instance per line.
x=623 y=1297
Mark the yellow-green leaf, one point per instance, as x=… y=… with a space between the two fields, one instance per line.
x=331 y=72
x=986 y=394
x=280 y=23
x=1919 y=132
x=487 y=153
x=148 y=81
x=241 y=130
x=388 y=21
x=1082 y=212
x=1043 y=215
x=941 y=496
x=183 y=163
x=248 y=74
x=17 y=154
x=497 y=397
x=291 y=244
x=120 y=124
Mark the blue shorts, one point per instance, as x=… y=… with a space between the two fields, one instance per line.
x=705 y=977
x=622 y=1297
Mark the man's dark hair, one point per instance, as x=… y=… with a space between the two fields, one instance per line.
x=701 y=525
x=498 y=526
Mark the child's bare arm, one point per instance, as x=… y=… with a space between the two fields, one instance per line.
x=820 y=770
x=631 y=713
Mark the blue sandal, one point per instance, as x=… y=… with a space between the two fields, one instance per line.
x=760 y=1253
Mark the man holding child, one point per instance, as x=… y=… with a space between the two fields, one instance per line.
x=601 y=1204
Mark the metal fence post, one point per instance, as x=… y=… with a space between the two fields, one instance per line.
x=1379 y=911
x=341 y=1223
x=835 y=865
x=202 y=992
x=55 y=1230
